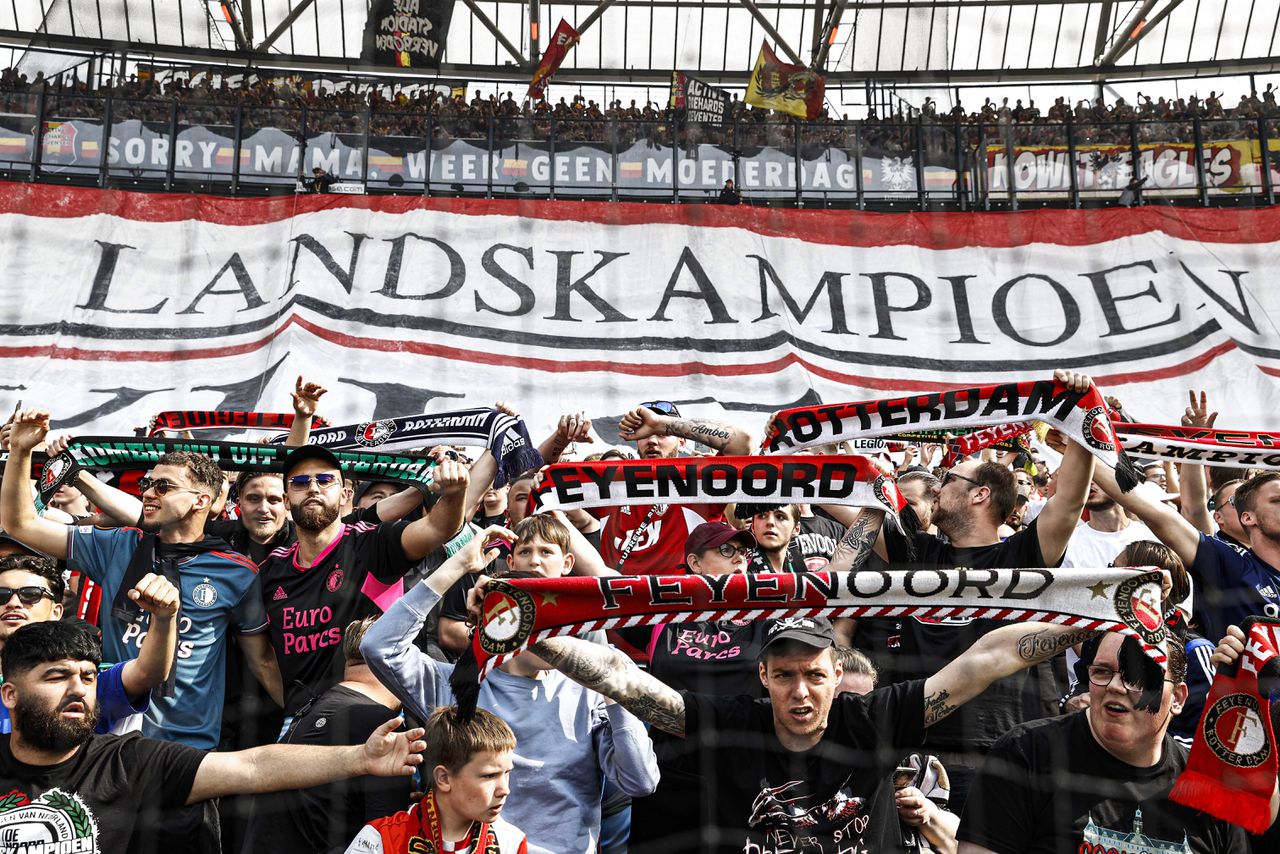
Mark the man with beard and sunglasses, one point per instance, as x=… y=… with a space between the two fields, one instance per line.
x=68 y=789
x=337 y=572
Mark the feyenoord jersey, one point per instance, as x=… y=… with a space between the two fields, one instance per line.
x=658 y=531
x=309 y=607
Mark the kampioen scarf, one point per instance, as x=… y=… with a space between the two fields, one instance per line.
x=1207 y=446
x=849 y=480
x=106 y=453
x=1082 y=416
x=518 y=612
x=1232 y=767
x=504 y=435
x=189 y=419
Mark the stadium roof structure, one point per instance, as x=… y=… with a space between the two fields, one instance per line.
x=641 y=41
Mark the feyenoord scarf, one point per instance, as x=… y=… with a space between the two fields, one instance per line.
x=849 y=480
x=431 y=831
x=1232 y=767
x=504 y=435
x=1082 y=416
x=518 y=612
x=1206 y=446
x=189 y=419
x=107 y=453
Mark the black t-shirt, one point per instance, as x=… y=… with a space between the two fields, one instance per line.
x=114 y=791
x=926 y=646
x=1048 y=787
x=235 y=533
x=325 y=818
x=834 y=797
x=309 y=607
x=810 y=549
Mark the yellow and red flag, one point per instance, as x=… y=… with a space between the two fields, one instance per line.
x=787 y=88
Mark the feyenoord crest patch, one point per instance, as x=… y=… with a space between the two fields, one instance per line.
x=370 y=434
x=508 y=619
x=1234 y=731
x=54 y=473
x=334 y=581
x=204 y=594
x=1096 y=429
x=1139 y=608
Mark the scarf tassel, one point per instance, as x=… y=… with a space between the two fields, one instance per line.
x=1222 y=799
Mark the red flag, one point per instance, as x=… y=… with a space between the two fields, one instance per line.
x=562 y=39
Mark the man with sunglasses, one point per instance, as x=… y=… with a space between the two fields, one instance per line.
x=337 y=572
x=1092 y=780
x=220 y=594
x=648 y=539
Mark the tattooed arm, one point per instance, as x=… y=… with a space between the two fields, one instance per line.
x=612 y=674
x=725 y=438
x=858 y=542
x=997 y=654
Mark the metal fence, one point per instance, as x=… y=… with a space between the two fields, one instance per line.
x=239 y=150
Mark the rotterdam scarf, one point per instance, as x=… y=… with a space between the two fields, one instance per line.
x=187 y=419
x=1081 y=416
x=849 y=480
x=1232 y=767
x=106 y=453
x=1206 y=446
x=518 y=612
x=504 y=435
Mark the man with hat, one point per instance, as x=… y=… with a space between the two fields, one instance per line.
x=804 y=769
x=337 y=572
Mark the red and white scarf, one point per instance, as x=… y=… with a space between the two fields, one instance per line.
x=1232 y=768
x=848 y=480
x=1081 y=416
x=1206 y=446
x=178 y=420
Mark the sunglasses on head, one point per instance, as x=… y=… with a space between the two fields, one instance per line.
x=302 y=481
x=26 y=595
x=662 y=407
x=162 y=487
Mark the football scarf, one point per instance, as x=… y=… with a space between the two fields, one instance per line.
x=1206 y=446
x=189 y=419
x=504 y=435
x=849 y=480
x=1081 y=416
x=106 y=453
x=431 y=830
x=1232 y=767
x=518 y=612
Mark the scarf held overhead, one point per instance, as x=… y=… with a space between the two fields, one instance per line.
x=849 y=480
x=1207 y=446
x=107 y=453
x=1232 y=767
x=518 y=612
x=504 y=435
x=1081 y=416
x=191 y=419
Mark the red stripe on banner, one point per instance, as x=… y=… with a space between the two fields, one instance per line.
x=671 y=369
x=934 y=230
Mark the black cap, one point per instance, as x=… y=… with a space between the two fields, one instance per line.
x=814 y=631
x=309 y=452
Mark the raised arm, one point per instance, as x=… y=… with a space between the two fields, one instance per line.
x=997 y=654
x=156 y=595
x=1194 y=505
x=858 y=542
x=1057 y=521
x=17 y=512
x=446 y=517
x=642 y=422
x=573 y=427
x=300 y=766
x=1165 y=522
x=609 y=672
x=306 y=400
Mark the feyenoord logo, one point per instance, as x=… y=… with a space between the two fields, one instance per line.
x=1097 y=430
x=1234 y=731
x=508 y=619
x=1139 y=608
x=374 y=433
x=334 y=581
x=54 y=471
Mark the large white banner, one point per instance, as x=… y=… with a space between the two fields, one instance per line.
x=119 y=305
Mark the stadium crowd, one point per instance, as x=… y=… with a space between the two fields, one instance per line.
x=134 y=721
x=416 y=111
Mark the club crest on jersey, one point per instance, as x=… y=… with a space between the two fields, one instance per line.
x=204 y=594
x=56 y=821
x=508 y=620
x=1096 y=429
x=334 y=581
x=1139 y=608
x=374 y=433
x=1234 y=731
